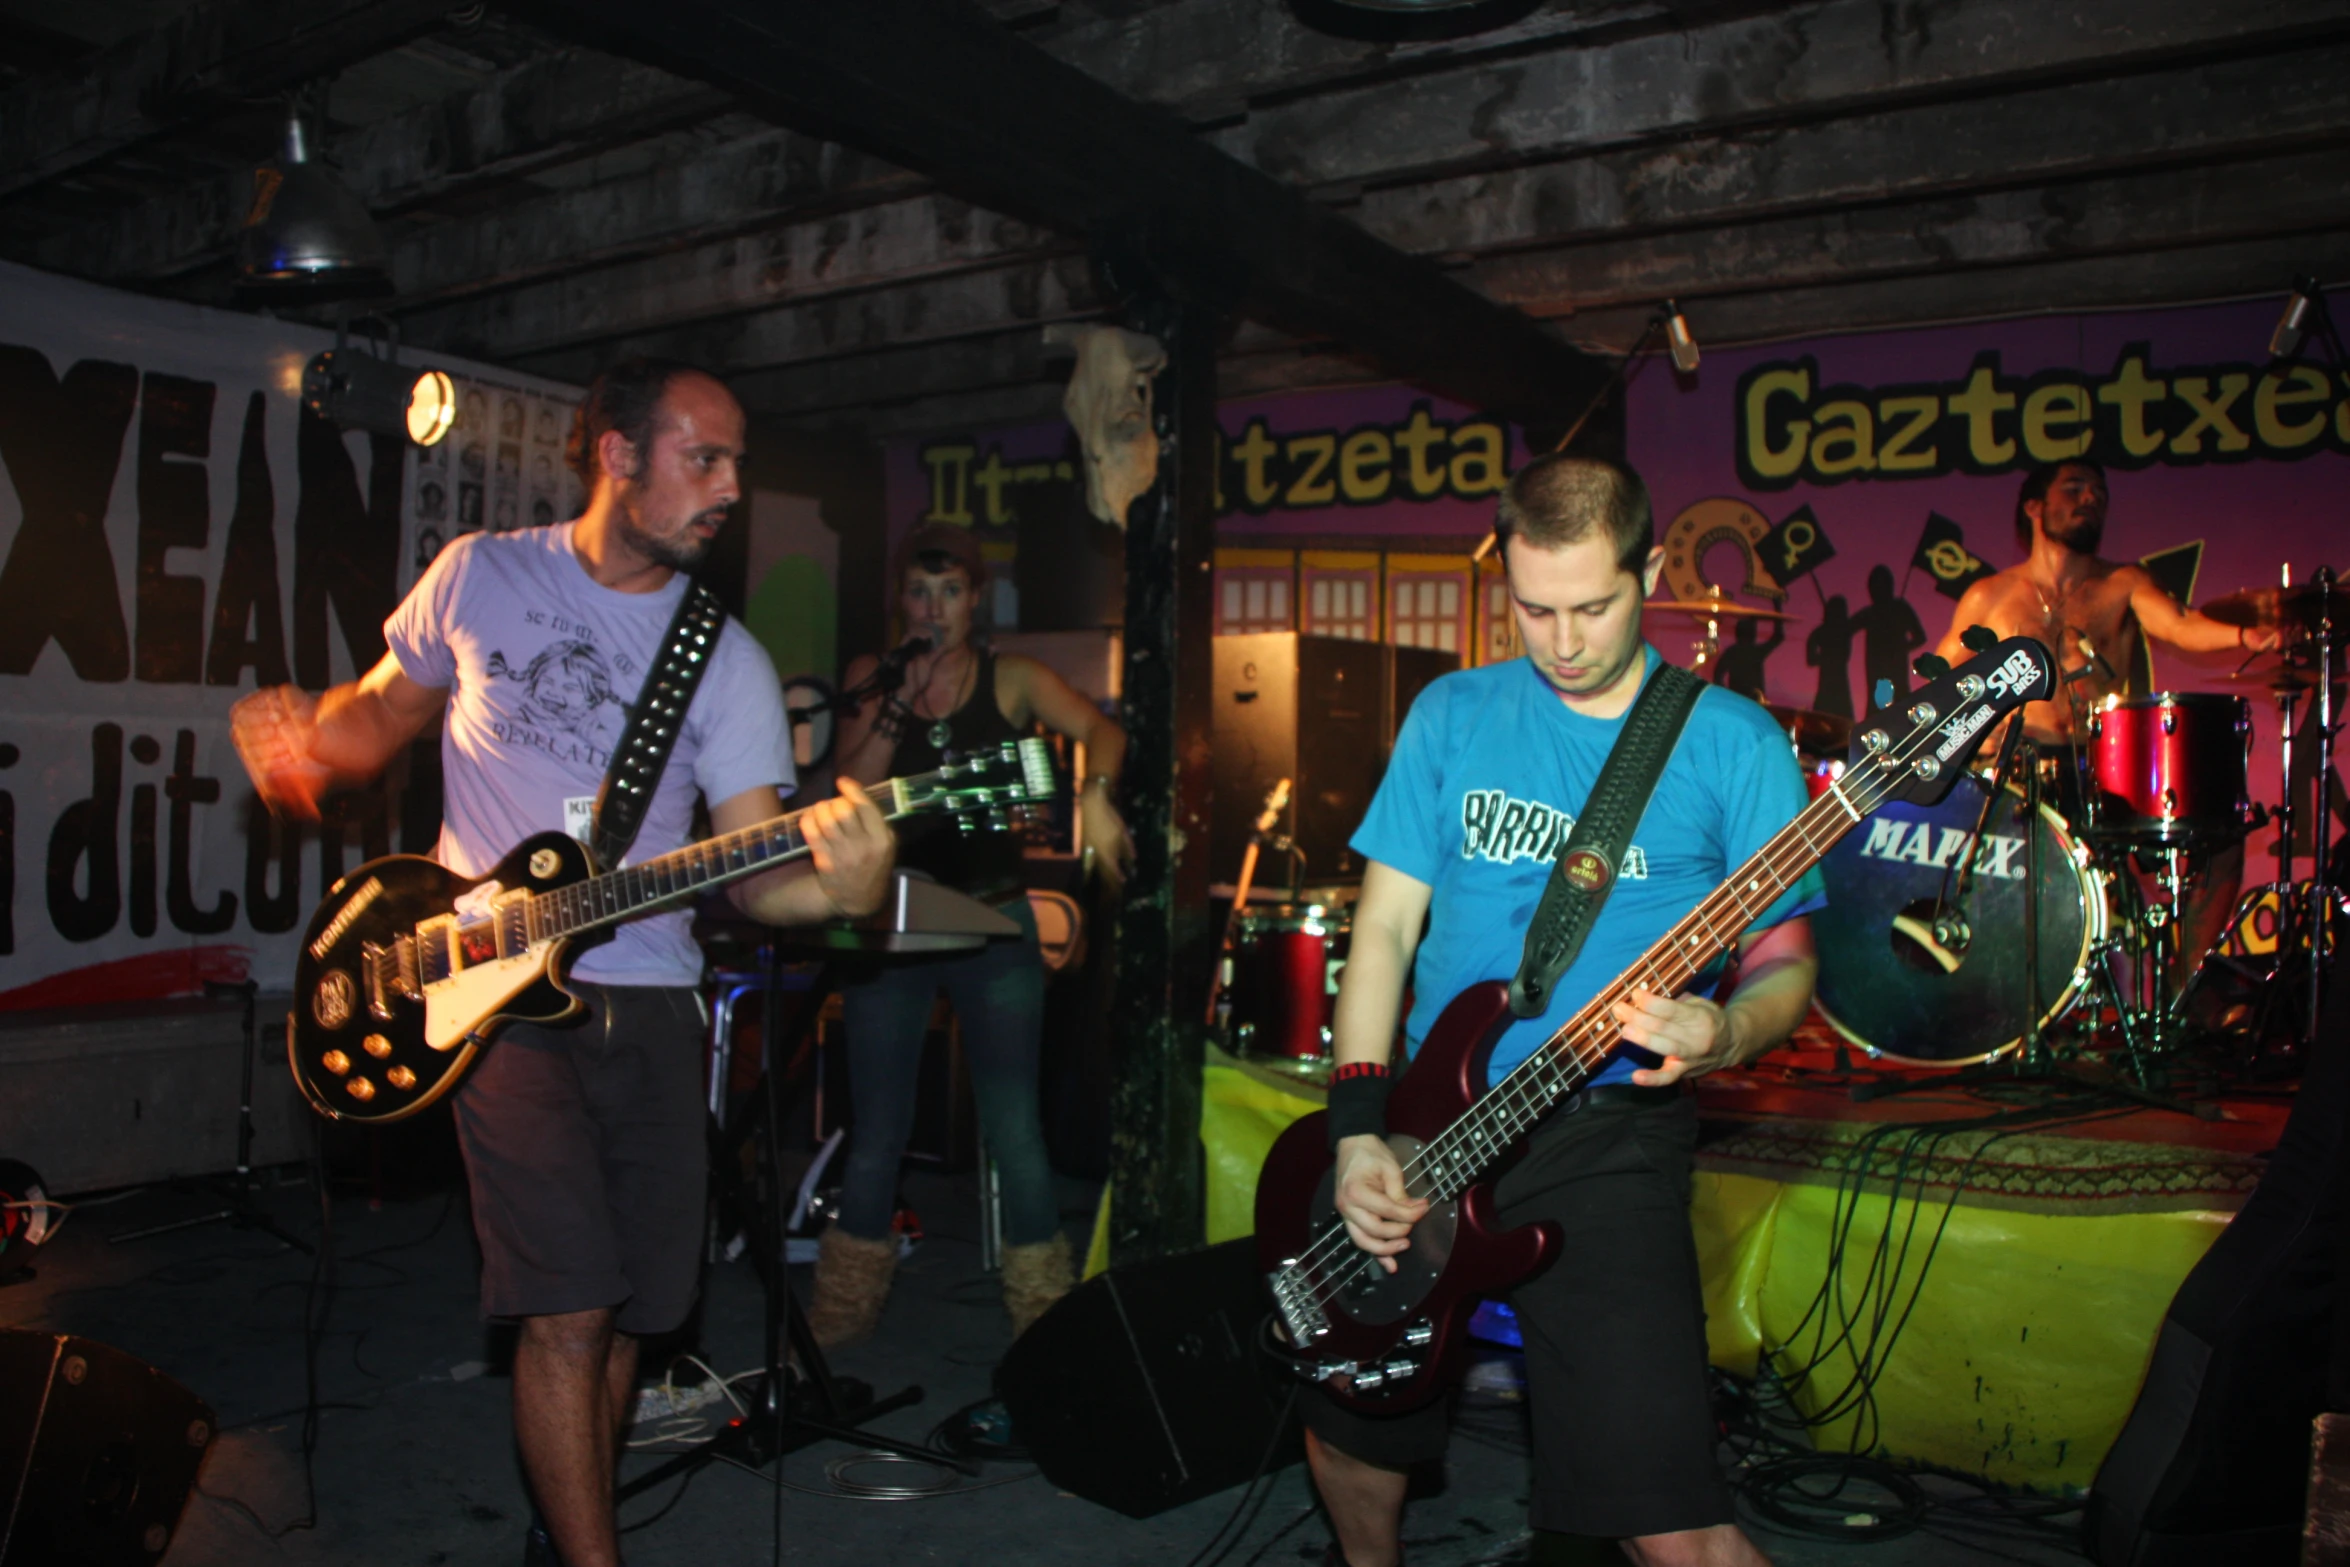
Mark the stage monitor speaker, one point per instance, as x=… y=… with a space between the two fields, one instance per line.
x=97 y=1452
x=1320 y=711
x=2212 y=1465
x=1142 y=1389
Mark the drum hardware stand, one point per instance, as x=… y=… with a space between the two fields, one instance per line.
x=1219 y=973
x=792 y=1410
x=242 y=1212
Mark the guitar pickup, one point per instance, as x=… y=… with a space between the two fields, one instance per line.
x=391 y=975
x=1293 y=1296
x=511 y=911
x=437 y=958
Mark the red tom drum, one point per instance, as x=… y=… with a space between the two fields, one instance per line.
x=1286 y=958
x=2171 y=767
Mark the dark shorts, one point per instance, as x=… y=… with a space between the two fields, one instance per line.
x=1615 y=1334
x=588 y=1156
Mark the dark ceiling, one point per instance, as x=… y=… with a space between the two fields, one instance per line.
x=1781 y=169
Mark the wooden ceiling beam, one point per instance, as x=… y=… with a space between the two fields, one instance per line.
x=1030 y=295
x=2145 y=277
x=914 y=239
x=2225 y=109
x=2298 y=193
x=212 y=56
x=543 y=112
x=1835 y=56
x=937 y=85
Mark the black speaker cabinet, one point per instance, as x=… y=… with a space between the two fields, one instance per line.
x=1320 y=711
x=1142 y=1389
x=97 y=1452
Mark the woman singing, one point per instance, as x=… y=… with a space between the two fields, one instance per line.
x=956 y=698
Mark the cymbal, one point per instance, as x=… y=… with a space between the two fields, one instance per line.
x=1712 y=609
x=2268 y=677
x=2295 y=607
x=1821 y=734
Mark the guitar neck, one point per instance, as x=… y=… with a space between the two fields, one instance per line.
x=623 y=894
x=1566 y=1060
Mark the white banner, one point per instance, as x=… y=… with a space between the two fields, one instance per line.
x=176 y=530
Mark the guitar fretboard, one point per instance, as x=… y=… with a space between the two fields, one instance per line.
x=1565 y=1061
x=713 y=862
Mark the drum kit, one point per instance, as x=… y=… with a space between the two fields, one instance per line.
x=2072 y=907
x=2092 y=907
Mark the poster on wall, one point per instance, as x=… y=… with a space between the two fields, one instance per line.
x=176 y=529
x=1318 y=472
x=1861 y=483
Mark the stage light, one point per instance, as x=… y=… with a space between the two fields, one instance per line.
x=307 y=234
x=1678 y=339
x=2293 y=325
x=354 y=389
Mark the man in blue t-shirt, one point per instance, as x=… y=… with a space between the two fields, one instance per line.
x=1488 y=774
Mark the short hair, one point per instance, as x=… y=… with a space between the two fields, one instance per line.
x=1559 y=499
x=938 y=547
x=2036 y=485
x=624 y=398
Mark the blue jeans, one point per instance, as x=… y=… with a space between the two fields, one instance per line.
x=998 y=995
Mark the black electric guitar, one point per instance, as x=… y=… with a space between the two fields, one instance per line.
x=408 y=969
x=1392 y=1341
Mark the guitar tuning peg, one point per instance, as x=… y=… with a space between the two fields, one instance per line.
x=1930 y=666
x=1881 y=694
x=1979 y=639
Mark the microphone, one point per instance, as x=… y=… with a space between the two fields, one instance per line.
x=906 y=651
x=2293 y=325
x=1679 y=340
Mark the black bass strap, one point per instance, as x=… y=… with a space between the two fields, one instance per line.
x=654 y=722
x=1585 y=871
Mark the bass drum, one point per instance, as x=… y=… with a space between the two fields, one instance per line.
x=1892 y=987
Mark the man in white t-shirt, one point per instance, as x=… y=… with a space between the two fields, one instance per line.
x=584 y=1146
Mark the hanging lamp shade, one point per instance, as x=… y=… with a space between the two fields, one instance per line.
x=308 y=234
x=1403 y=21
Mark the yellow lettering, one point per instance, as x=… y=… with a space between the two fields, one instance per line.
x=1846 y=429
x=2211 y=413
x=1424 y=480
x=1256 y=448
x=1979 y=405
x=950 y=489
x=1480 y=459
x=993 y=474
x=1362 y=466
x=2046 y=410
x=2295 y=386
x=1768 y=461
x=2131 y=392
x=1312 y=486
x=1896 y=455
x=1219 y=505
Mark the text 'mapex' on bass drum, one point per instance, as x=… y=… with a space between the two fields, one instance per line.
x=1897 y=988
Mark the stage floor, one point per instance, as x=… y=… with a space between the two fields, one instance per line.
x=414 y=1463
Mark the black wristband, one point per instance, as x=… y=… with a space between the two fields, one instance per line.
x=1358 y=1106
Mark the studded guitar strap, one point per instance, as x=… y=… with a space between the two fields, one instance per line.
x=653 y=723
x=1585 y=871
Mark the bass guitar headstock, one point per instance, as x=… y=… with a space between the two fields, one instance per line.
x=1915 y=752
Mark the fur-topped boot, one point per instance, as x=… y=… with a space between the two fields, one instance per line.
x=852 y=1283
x=1035 y=1276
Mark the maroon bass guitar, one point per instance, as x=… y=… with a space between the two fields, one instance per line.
x=1392 y=1341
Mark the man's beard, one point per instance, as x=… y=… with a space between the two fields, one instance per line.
x=682 y=553
x=2079 y=534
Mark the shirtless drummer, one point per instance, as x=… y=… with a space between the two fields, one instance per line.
x=2091 y=612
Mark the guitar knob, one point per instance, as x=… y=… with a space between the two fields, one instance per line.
x=1420 y=1335
x=336 y=1062
x=1370 y=1379
x=376 y=1045
x=361 y=1089
x=1400 y=1367
x=401 y=1078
